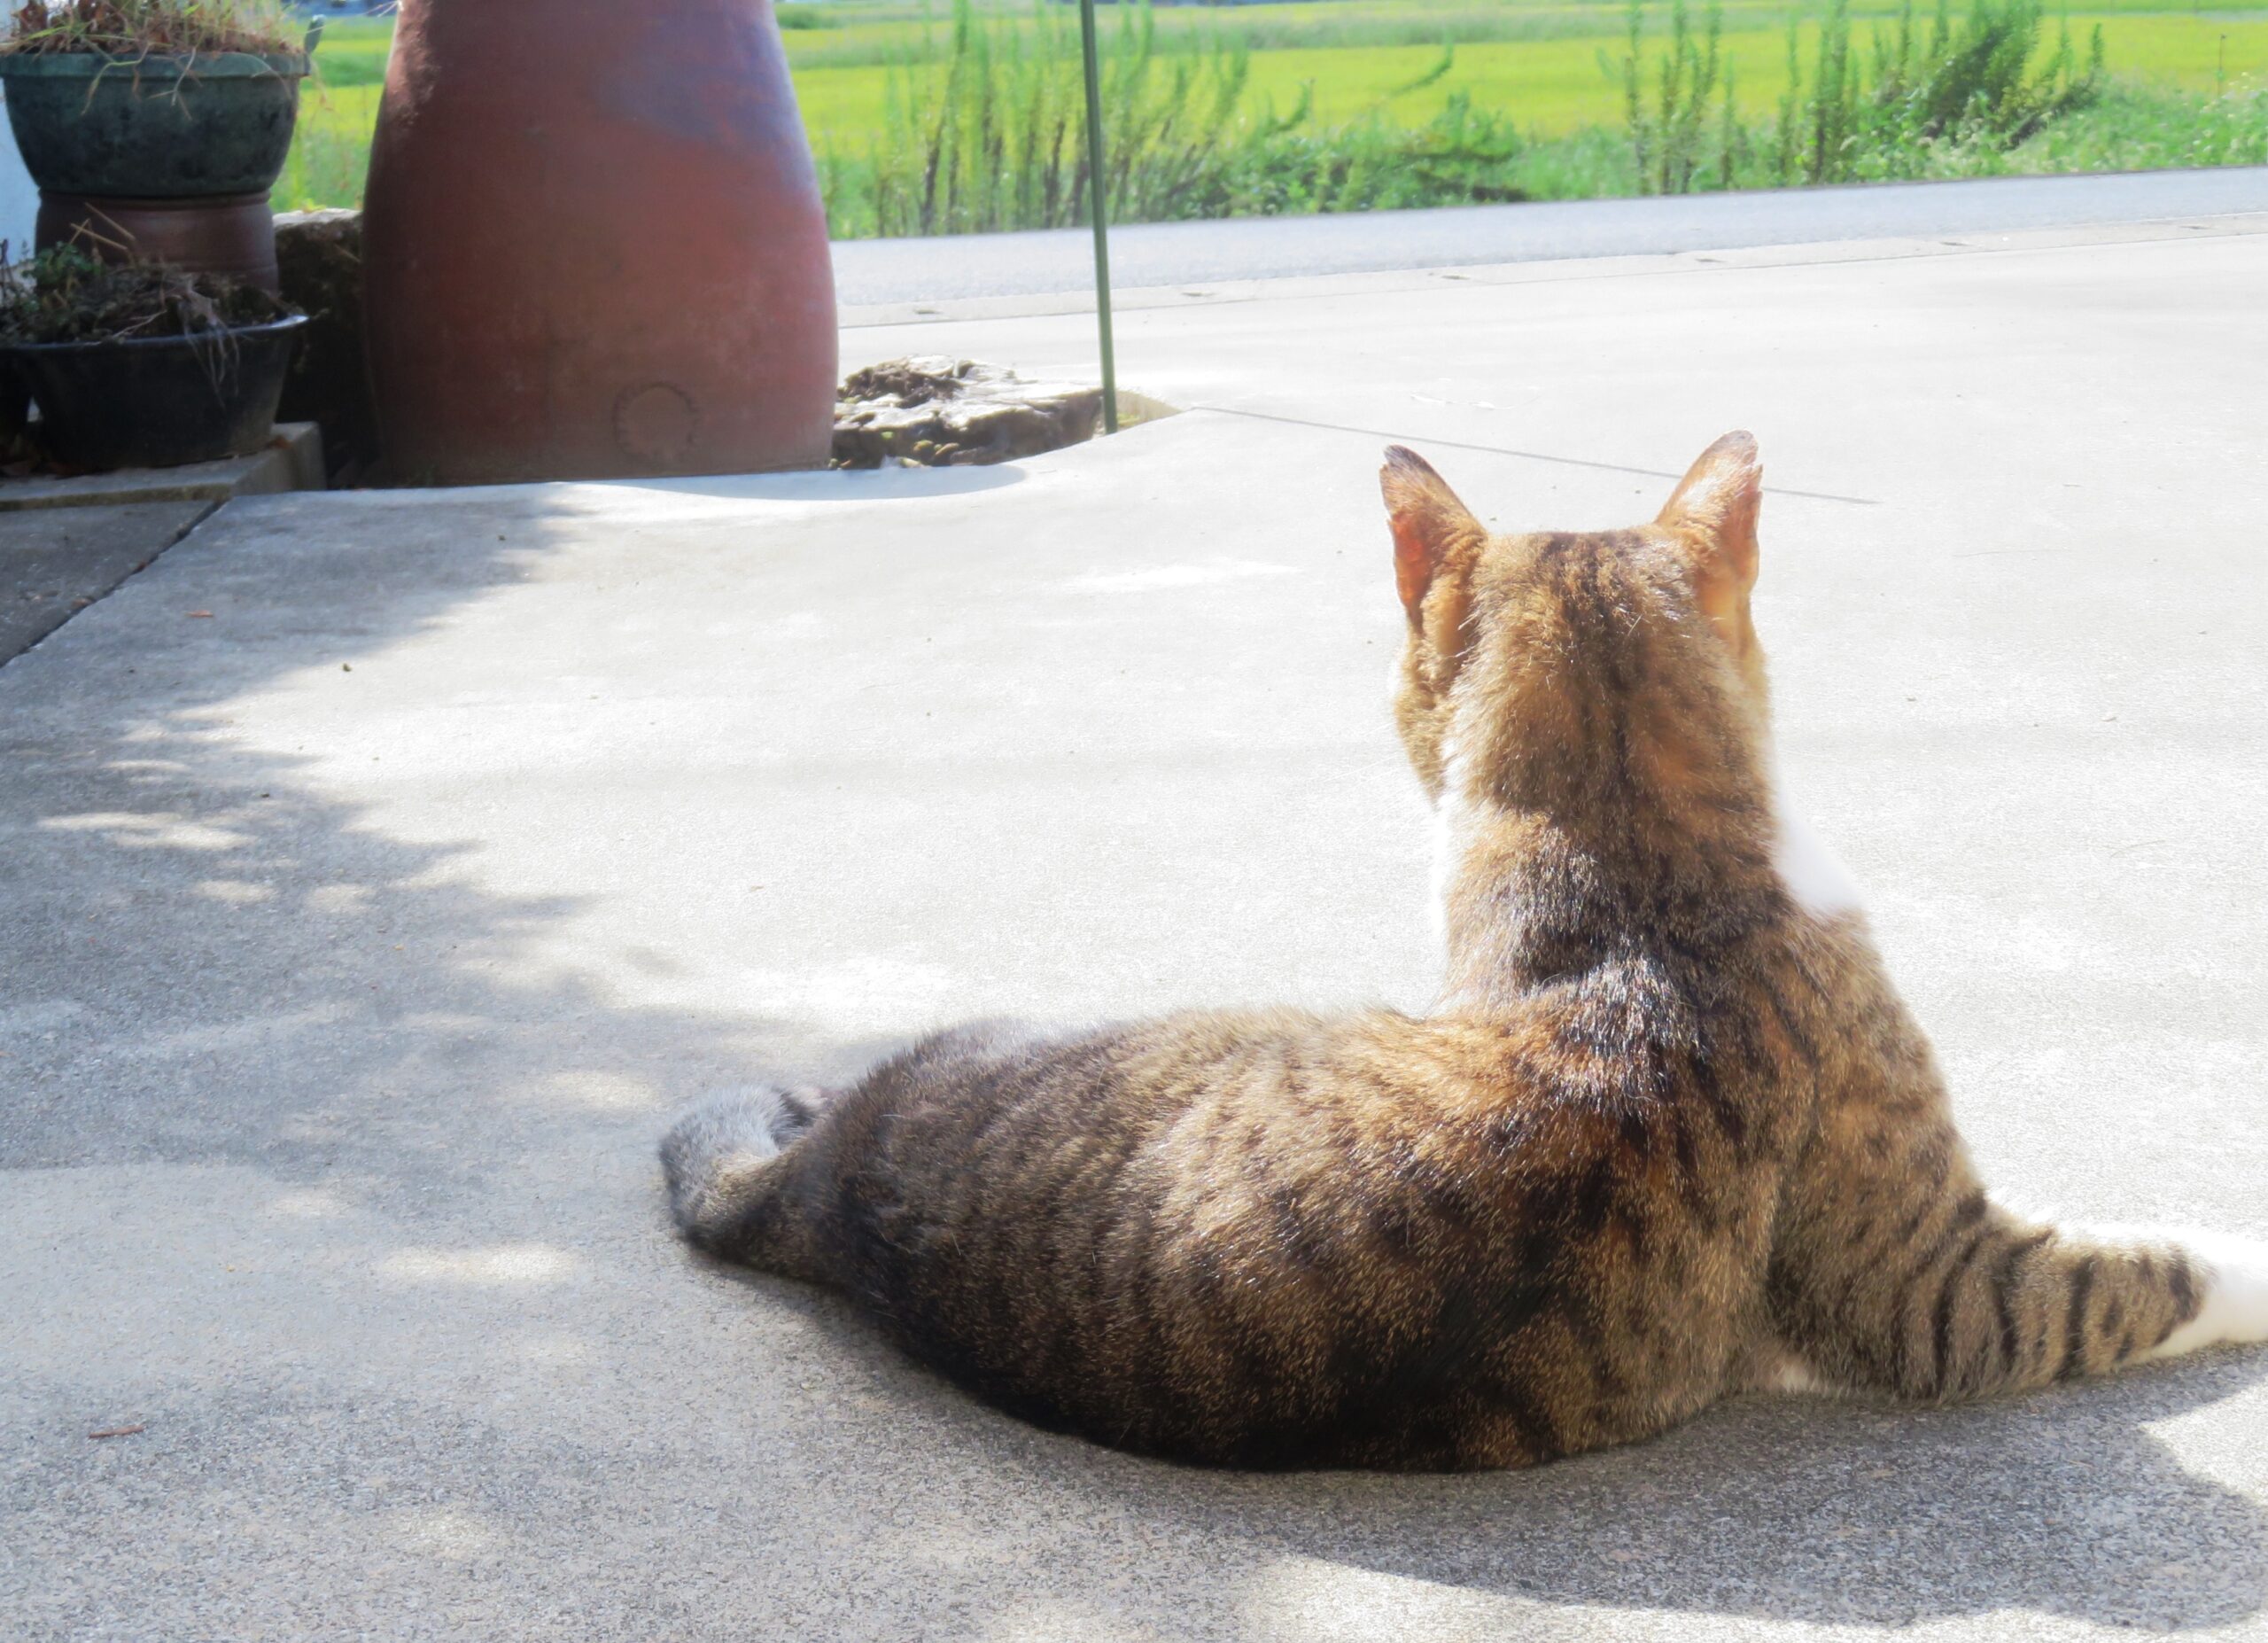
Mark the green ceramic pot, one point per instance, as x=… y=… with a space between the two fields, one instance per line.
x=152 y=127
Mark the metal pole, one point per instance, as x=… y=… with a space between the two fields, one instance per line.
x=1095 y=196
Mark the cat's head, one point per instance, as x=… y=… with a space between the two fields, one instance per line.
x=1534 y=662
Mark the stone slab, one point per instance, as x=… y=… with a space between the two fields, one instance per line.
x=293 y=461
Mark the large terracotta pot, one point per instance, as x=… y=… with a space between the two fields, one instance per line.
x=593 y=244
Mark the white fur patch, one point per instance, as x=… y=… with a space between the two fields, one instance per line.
x=1449 y=835
x=1447 y=847
x=1814 y=874
x=1791 y=1374
x=2235 y=1308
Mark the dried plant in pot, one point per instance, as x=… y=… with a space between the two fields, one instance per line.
x=162 y=124
x=153 y=99
x=139 y=364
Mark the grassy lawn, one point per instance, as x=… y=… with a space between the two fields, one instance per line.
x=1537 y=64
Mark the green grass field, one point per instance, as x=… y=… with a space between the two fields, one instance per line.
x=1551 y=69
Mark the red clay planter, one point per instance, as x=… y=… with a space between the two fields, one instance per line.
x=593 y=245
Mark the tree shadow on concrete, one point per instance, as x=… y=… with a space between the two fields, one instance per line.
x=306 y=1153
x=231 y=967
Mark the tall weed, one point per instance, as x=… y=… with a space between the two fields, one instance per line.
x=1462 y=156
x=1976 y=84
x=1909 y=101
x=984 y=131
x=1668 y=112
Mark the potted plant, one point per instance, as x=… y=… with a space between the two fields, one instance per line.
x=157 y=128
x=137 y=364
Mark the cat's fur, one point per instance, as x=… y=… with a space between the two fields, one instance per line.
x=1668 y=1134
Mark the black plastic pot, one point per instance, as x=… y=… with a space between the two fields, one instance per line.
x=15 y=402
x=156 y=402
x=153 y=128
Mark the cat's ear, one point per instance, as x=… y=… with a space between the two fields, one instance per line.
x=1429 y=524
x=1714 y=510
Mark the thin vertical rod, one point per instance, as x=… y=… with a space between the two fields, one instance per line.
x=1096 y=192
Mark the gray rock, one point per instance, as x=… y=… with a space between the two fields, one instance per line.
x=935 y=411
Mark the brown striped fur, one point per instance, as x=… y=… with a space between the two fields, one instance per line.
x=1668 y=1134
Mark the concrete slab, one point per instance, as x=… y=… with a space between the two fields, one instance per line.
x=56 y=562
x=354 y=941
x=291 y=461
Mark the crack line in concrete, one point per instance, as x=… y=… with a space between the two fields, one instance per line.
x=1505 y=450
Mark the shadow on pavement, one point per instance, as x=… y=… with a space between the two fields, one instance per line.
x=2063 y=1504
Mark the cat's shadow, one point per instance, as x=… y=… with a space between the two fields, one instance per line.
x=2064 y=1502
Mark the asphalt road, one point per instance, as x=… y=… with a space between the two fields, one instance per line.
x=1173 y=253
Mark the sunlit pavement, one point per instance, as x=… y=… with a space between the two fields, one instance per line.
x=359 y=934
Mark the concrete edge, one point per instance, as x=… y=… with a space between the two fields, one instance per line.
x=1140 y=413
x=290 y=462
x=878 y=316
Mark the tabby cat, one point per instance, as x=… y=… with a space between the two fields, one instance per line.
x=1667 y=1134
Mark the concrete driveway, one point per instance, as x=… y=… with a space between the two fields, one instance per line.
x=356 y=938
